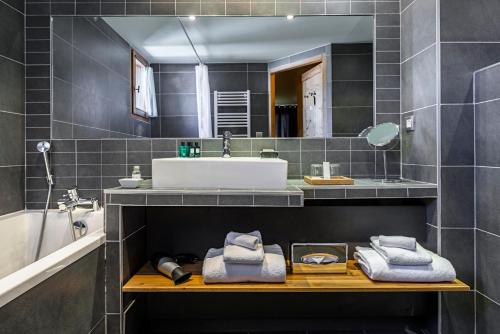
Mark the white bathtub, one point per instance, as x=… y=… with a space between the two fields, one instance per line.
x=19 y=234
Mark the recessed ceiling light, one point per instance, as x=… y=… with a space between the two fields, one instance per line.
x=290 y=17
x=192 y=17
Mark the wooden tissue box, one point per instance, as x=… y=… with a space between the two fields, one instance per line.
x=304 y=255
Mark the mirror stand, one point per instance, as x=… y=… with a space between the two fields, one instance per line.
x=386 y=179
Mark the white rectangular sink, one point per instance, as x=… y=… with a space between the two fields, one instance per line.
x=220 y=173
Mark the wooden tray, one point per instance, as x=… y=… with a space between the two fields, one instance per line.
x=334 y=180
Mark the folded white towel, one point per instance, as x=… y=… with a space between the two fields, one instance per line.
x=247 y=240
x=400 y=256
x=272 y=269
x=374 y=266
x=242 y=255
x=398 y=242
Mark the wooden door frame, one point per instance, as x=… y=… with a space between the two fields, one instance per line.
x=319 y=59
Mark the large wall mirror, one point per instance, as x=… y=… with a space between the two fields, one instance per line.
x=193 y=77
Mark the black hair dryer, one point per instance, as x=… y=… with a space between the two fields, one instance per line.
x=168 y=267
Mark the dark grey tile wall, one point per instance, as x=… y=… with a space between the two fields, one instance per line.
x=37 y=29
x=486 y=97
x=71 y=301
x=91 y=82
x=125 y=254
x=419 y=94
x=176 y=96
x=12 y=113
x=469 y=42
x=352 y=89
x=94 y=165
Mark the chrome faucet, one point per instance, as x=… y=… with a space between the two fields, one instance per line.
x=72 y=200
x=226 y=144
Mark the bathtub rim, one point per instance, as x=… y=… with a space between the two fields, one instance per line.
x=19 y=282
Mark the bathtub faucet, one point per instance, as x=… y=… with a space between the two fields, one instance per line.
x=72 y=200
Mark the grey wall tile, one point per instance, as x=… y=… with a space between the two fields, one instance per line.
x=487 y=85
x=195 y=200
x=128 y=199
x=488 y=315
x=487 y=194
x=419 y=173
x=419 y=81
x=12 y=86
x=266 y=200
x=488 y=264
x=420 y=146
x=457 y=196
x=231 y=200
x=458 y=62
x=487 y=134
x=12 y=132
x=12 y=191
x=113 y=222
x=457 y=135
x=457 y=246
x=112 y=272
x=164 y=199
x=457 y=312
x=463 y=20
x=11 y=35
x=418 y=30
x=361 y=193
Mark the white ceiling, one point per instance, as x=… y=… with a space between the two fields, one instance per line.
x=237 y=39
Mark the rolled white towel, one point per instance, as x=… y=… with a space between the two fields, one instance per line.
x=400 y=256
x=398 y=242
x=248 y=240
x=242 y=255
x=271 y=270
x=375 y=267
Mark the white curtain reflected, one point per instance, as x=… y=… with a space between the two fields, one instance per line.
x=151 y=109
x=203 y=102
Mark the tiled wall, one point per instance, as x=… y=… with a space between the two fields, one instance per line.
x=12 y=119
x=470 y=40
x=91 y=82
x=93 y=165
x=352 y=89
x=176 y=95
x=419 y=93
x=487 y=217
x=387 y=19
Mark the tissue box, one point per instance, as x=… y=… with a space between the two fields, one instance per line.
x=319 y=258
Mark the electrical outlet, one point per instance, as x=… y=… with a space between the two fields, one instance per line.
x=410 y=123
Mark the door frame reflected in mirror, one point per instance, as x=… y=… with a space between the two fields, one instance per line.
x=315 y=60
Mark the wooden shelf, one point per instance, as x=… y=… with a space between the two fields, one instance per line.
x=148 y=280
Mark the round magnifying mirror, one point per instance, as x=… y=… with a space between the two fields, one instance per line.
x=382 y=134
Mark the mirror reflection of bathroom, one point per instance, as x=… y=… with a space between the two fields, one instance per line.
x=175 y=77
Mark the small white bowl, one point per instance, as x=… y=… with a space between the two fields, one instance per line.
x=130 y=183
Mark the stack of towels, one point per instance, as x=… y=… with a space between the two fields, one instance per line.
x=244 y=258
x=402 y=259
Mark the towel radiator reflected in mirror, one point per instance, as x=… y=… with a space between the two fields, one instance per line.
x=232 y=112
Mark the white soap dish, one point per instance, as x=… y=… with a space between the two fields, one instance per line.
x=130 y=183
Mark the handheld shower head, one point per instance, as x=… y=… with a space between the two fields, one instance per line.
x=43 y=147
